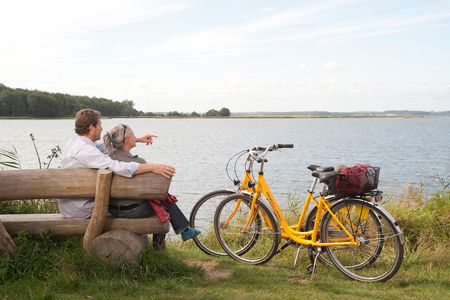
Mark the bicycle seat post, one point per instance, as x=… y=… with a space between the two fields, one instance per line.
x=313 y=185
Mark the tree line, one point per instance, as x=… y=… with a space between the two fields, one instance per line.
x=34 y=103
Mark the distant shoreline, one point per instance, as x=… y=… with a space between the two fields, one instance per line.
x=232 y=117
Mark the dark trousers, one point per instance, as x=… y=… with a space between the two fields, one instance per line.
x=177 y=219
x=143 y=210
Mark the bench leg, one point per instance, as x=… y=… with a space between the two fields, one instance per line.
x=159 y=242
x=6 y=243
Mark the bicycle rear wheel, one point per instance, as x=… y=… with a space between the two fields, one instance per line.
x=262 y=232
x=323 y=256
x=380 y=251
x=202 y=216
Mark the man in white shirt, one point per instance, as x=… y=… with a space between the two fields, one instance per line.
x=82 y=152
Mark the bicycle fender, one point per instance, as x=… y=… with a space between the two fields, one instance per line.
x=383 y=210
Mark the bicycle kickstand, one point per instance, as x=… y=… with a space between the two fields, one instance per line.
x=312 y=267
x=296 y=256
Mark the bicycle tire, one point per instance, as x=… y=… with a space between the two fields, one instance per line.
x=263 y=231
x=201 y=217
x=381 y=263
x=323 y=256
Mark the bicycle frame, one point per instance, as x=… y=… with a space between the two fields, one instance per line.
x=294 y=232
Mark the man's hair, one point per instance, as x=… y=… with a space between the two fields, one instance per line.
x=85 y=118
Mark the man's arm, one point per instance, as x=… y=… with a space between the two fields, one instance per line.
x=162 y=169
x=92 y=157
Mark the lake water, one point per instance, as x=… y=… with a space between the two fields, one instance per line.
x=408 y=150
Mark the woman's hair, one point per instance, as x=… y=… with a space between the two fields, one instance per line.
x=115 y=137
x=84 y=119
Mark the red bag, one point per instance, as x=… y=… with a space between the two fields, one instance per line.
x=357 y=180
x=159 y=207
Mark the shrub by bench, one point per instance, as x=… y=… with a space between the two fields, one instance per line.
x=122 y=235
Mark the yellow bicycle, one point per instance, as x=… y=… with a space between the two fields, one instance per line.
x=202 y=213
x=361 y=238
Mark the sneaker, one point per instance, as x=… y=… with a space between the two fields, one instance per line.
x=189 y=233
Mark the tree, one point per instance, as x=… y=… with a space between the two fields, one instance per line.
x=42 y=105
x=174 y=114
x=224 y=112
x=212 y=113
x=195 y=114
x=13 y=102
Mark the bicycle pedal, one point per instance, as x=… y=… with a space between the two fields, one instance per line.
x=295 y=245
x=310 y=269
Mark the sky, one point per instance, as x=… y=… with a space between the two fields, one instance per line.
x=262 y=55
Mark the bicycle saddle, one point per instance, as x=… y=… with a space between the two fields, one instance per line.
x=324 y=176
x=320 y=168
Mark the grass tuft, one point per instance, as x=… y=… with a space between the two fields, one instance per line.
x=43 y=258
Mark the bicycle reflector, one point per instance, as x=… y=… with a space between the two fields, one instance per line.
x=378 y=198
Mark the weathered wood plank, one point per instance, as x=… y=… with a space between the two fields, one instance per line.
x=77 y=183
x=60 y=226
x=7 y=245
x=100 y=209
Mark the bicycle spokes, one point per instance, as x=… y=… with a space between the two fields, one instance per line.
x=379 y=251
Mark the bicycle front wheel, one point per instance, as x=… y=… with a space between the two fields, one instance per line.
x=235 y=232
x=202 y=216
x=379 y=252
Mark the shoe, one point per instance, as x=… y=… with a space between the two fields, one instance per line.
x=189 y=233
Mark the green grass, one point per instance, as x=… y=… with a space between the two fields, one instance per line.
x=47 y=269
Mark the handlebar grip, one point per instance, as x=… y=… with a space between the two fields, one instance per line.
x=285 y=146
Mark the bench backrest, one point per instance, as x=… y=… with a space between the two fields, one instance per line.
x=77 y=183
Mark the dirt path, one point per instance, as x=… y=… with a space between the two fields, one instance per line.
x=210 y=268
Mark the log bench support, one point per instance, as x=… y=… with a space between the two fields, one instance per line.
x=6 y=242
x=123 y=240
x=100 y=210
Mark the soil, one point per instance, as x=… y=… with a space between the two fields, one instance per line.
x=210 y=269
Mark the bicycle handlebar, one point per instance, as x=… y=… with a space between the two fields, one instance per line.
x=273 y=147
x=259 y=157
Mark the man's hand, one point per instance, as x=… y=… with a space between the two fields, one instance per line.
x=164 y=170
x=161 y=169
x=148 y=139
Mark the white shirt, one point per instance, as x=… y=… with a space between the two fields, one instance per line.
x=81 y=152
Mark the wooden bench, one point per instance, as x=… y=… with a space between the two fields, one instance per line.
x=79 y=183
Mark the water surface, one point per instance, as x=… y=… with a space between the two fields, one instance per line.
x=408 y=150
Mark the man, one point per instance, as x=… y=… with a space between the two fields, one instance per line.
x=82 y=152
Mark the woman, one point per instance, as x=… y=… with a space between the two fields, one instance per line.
x=119 y=140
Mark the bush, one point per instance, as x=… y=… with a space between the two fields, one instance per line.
x=425 y=223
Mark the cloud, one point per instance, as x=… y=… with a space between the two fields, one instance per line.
x=47 y=17
x=308 y=23
x=332 y=65
x=301 y=66
x=245 y=38
x=50 y=40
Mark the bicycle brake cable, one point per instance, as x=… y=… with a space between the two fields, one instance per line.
x=228 y=162
x=235 y=163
